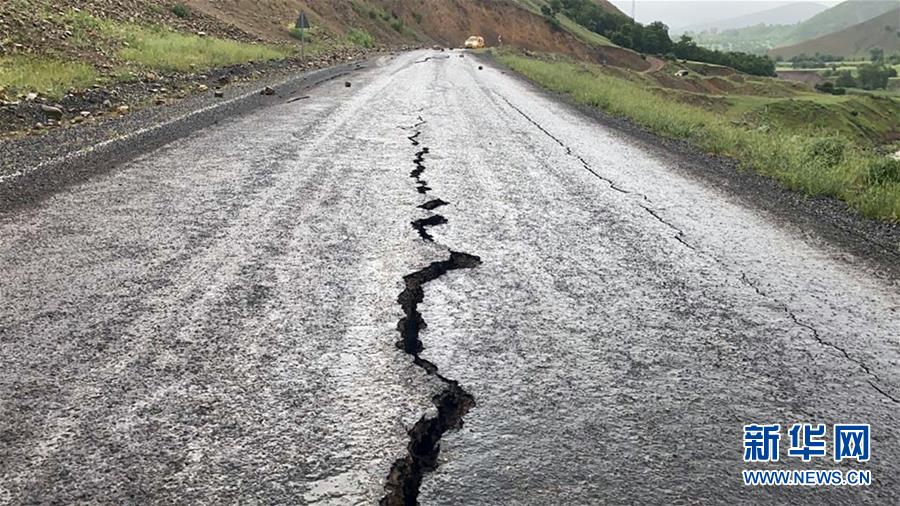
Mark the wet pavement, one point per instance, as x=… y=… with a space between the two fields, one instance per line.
x=217 y=321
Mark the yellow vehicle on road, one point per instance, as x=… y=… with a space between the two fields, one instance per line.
x=474 y=42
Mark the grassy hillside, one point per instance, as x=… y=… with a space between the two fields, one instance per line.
x=882 y=31
x=815 y=143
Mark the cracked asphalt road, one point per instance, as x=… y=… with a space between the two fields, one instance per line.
x=215 y=321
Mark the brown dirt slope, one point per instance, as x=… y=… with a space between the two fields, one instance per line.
x=448 y=22
x=882 y=31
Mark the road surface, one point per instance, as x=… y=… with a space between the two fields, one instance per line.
x=275 y=309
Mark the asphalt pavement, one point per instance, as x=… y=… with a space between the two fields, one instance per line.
x=436 y=284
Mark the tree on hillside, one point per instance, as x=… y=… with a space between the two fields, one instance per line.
x=687 y=49
x=622 y=38
x=875 y=77
x=653 y=38
x=656 y=38
x=877 y=55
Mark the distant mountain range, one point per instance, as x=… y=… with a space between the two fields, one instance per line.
x=847 y=16
x=789 y=14
x=881 y=31
x=839 y=17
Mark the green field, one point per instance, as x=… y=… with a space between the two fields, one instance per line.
x=815 y=143
x=852 y=66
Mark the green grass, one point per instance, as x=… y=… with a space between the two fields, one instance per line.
x=172 y=51
x=49 y=76
x=360 y=38
x=865 y=120
x=135 y=48
x=815 y=163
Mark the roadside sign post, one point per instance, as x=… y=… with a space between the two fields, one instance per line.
x=302 y=24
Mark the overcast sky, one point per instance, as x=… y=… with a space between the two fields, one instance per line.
x=679 y=13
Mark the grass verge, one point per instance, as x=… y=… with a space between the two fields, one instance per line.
x=829 y=165
x=50 y=76
x=161 y=49
x=360 y=38
x=96 y=45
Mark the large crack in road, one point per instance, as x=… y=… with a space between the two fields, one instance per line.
x=453 y=402
x=206 y=322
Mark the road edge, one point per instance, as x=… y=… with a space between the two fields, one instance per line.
x=99 y=152
x=820 y=219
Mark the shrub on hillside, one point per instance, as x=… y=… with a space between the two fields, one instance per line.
x=360 y=38
x=845 y=79
x=181 y=11
x=830 y=88
x=827 y=152
x=826 y=87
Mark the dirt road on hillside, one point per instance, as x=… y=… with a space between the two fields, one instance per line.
x=435 y=284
